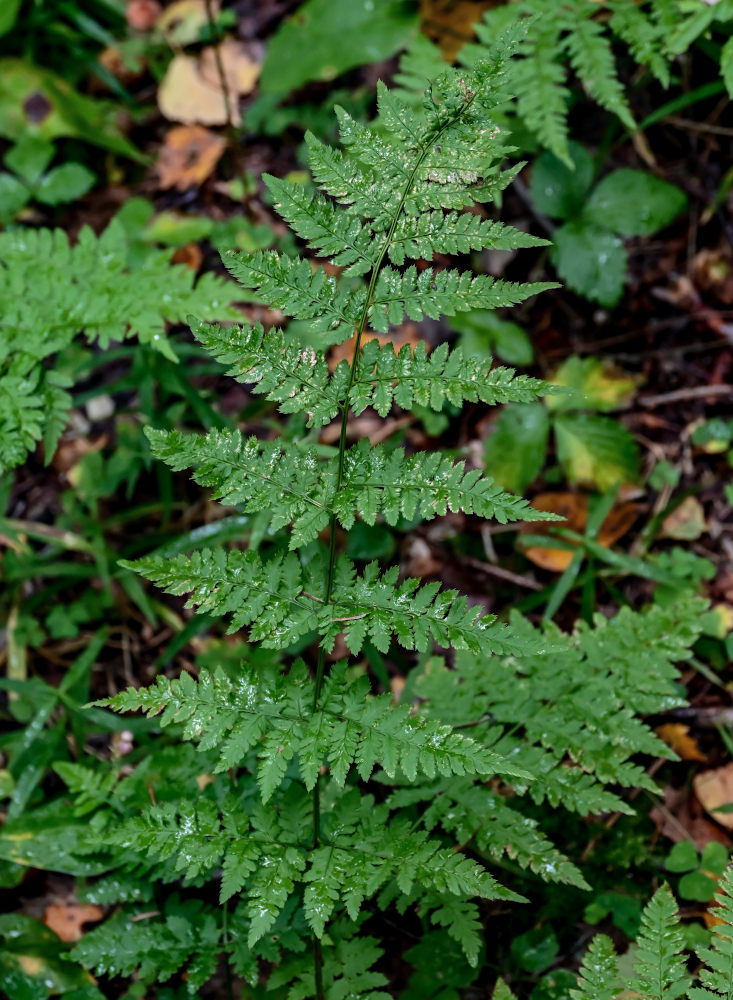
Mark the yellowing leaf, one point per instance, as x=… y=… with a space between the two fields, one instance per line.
x=594 y=384
x=574 y=508
x=595 y=450
x=183 y=21
x=686 y=522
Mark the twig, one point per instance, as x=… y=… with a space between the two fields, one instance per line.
x=503 y=574
x=680 y=395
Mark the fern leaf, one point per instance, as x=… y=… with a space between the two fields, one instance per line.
x=353 y=184
x=659 y=966
x=293 y=286
x=271 y=713
x=453 y=233
x=377 y=480
x=435 y=293
x=286 y=373
x=187 y=937
x=266 y=596
x=716 y=975
x=373 y=606
x=598 y=978
x=341 y=237
x=286 y=483
x=386 y=376
x=460 y=918
x=592 y=59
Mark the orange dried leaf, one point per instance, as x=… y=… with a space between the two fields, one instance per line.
x=677 y=736
x=67 y=920
x=188 y=156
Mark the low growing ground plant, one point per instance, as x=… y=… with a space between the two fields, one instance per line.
x=323 y=810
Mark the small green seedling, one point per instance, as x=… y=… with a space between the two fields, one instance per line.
x=29 y=178
x=700 y=871
x=588 y=250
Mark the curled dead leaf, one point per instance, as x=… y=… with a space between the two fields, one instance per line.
x=189 y=254
x=188 y=156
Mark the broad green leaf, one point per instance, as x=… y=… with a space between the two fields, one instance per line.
x=634 y=203
x=515 y=450
x=595 y=450
x=591 y=260
x=8 y=15
x=35 y=100
x=13 y=195
x=49 y=838
x=332 y=38
x=483 y=333
x=29 y=157
x=697 y=886
x=726 y=65
x=535 y=949
x=65 y=183
x=683 y=857
x=556 y=189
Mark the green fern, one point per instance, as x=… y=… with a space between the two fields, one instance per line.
x=716 y=975
x=659 y=967
x=51 y=292
x=283 y=820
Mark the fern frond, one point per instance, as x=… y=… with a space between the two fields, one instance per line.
x=453 y=233
x=592 y=59
x=598 y=978
x=441 y=293
x=377 y=480
x=295 y=377
x=292 y=486
x=373 y=606
x=271 y=599
x=716 y=974
x=51 y=292
x=273 y=713
x=334 y=234
x=292 y=285
x=266 y=596
x=189 y=937
x=386 y=376
x=287 y=483
x=659 y=966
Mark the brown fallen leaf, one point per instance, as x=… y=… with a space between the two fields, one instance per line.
x=680 y=817
x=191 y=90
x=686 y=522
x=677 y=736
x=189 y=254
x=188 y=156
x=450 y=22
x=241 y=72
x=67 y=920
x=715 y=789
x=574 y=508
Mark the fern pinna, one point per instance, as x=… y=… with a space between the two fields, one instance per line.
x=304 y=848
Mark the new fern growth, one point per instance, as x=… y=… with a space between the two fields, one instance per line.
x=313 y=818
